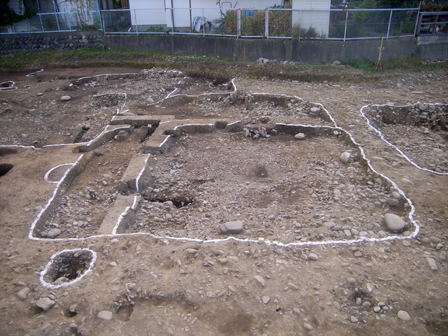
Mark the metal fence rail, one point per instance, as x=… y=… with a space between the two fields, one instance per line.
x=339 y=24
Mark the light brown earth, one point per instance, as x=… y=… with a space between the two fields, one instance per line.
x=174 y=287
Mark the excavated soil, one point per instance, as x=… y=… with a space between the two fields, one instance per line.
x=314 y=255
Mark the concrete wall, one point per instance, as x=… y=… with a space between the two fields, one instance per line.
x=308 y=51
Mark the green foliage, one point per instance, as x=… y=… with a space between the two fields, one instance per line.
x=230 y=22
x=280 y=23
x=299 y=33
x=365 y=65
x=384 y=3
x=253 y=25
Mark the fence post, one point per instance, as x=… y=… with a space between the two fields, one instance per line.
x=390 y=20
x=266 y=23
x=418 y=24
x=103 y=23
x=135 y=17
x=300 y=23
x=70 y=25
x=57 y=21
x=41 y=24
x=346 y=19
x=172 y=19
x=238 y=23
x=203 y=23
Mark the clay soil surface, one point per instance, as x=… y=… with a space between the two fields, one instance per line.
x=299 y=193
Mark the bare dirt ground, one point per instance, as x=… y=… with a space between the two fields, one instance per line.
x=318 y=280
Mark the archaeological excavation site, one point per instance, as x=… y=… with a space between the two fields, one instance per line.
x=151 y=202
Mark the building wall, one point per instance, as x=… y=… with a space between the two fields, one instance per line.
x=319 y=18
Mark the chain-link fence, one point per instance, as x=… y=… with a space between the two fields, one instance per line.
x=54 y=22
x=269 y=23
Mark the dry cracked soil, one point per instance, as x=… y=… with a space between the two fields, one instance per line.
x=311 y=253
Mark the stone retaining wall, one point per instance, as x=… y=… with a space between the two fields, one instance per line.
x=59 y=41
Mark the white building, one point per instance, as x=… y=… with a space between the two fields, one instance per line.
x=186 y=15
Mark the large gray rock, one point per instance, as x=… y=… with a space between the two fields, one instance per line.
x=45 y=303
x=23 y=293
x=394 y=223
x=105 y=315
x=260 y=281
x=345 y=157
x=236 y=126
x=232 y=227
x=53 y=233
x=404 y=315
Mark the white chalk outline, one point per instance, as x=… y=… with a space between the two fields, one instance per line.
x=65 y=284
x=33 y=73
x=260 y=240
x=392 y=145
x=47 y=174
x=5 y=88
x=141 y=173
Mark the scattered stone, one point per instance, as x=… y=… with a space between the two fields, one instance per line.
x=296 y=311
x=406 y=243
x=122 y=135
x=394 y=223
x=358 y=254
x=53 y=233
x=105 y=315
x=192 y=297
x=113 y=264
x=393 y=201
x=293 y=286
x=369 y=287
x=403 y=315
x=376 y=309
x=345 y=157
x=299 y=136
x=46 y=328
x=232 y=227
x=432 y=263
x=308 y=327
x=407 y=181
x=23 y=293
x=266 y=299
x=45 y=303
x=336 y=63
x=65 y=98
x=260 y=281
x=353 y=319
x=315 y=109
x=313 y=256
x=40 y=94
x=439 y=246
